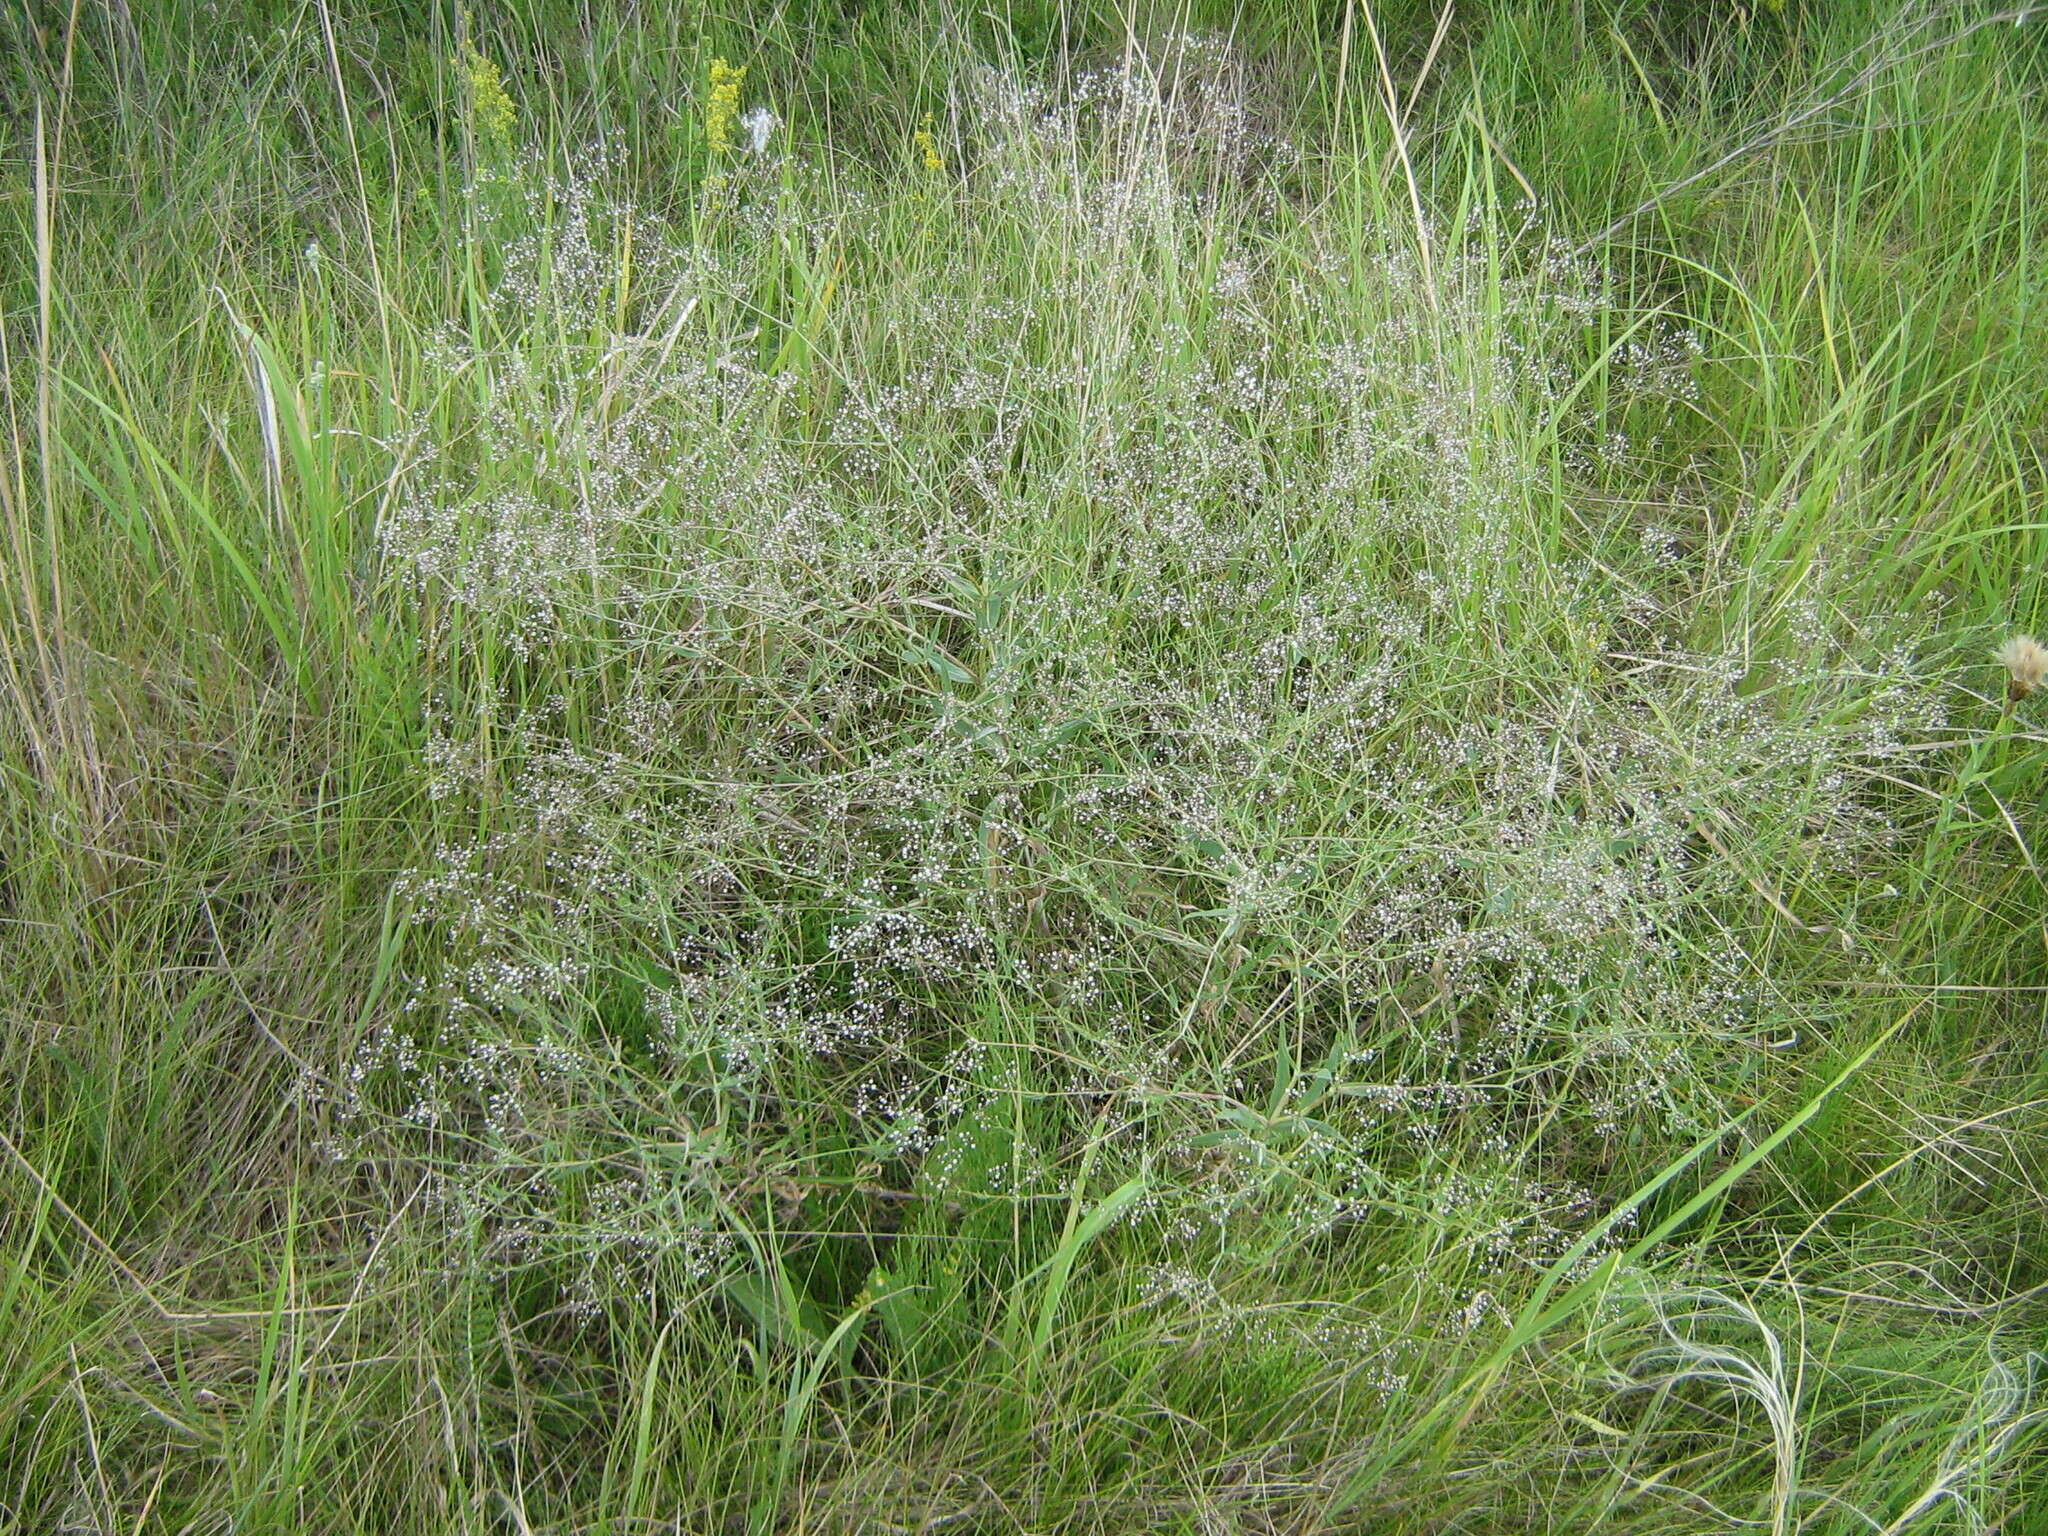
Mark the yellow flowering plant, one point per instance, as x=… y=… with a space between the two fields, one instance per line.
x=492 y=114
x=926 y=143
x=722 y=104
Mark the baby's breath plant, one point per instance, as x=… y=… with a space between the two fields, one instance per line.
x=1259 y=701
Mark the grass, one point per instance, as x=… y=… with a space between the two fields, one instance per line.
x=1199 y=771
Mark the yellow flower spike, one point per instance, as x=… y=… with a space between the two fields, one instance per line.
x=491 y=112
x=926 y=141
x=722 y=105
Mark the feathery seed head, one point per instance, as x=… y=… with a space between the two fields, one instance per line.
x=2025 y=660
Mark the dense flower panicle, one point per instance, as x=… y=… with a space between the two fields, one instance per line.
x=1070 y=677
x=722 y=104
x=492 y=114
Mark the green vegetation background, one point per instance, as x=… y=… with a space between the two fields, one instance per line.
x=1812 y=1301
